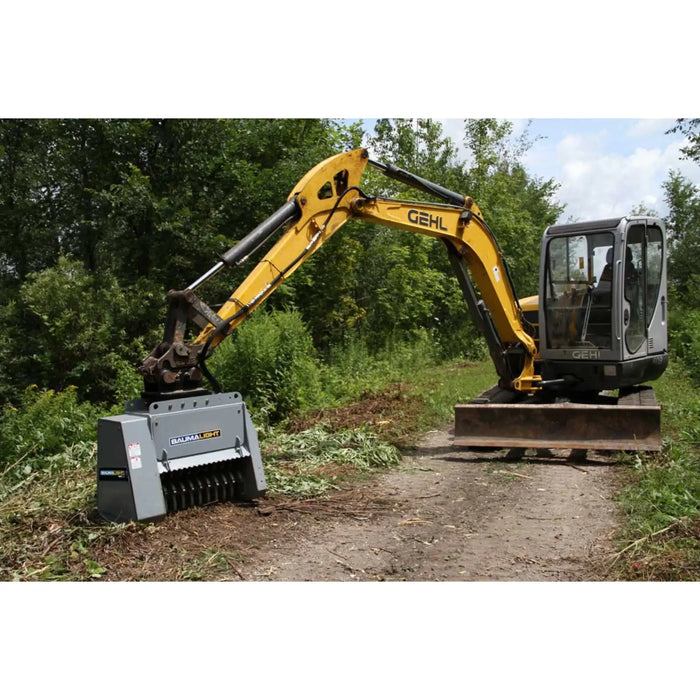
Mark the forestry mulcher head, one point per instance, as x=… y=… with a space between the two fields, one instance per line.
x=176 y=453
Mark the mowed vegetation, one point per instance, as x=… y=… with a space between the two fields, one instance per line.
x=366 y=347
x=49 y=527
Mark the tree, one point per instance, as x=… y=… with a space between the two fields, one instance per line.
x=516 y=206
x=375 y=281
x=642 y=209
x=131 y=205
x=683 y=223
x=691 y=129
x=28 y=192
x=100 y=217
x=68 y=327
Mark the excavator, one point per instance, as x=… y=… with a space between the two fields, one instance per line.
x=572 y=362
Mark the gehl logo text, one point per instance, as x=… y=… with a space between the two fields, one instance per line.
x=422 y=218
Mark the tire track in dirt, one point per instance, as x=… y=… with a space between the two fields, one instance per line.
x=448 y=514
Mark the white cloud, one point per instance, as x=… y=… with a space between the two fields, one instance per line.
x=578 y=147
x=454 y=128
x=648 y=127
x=599 y=180
x=605 y=168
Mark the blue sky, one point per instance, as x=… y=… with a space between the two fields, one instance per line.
x=608 y=166
x=605 y=167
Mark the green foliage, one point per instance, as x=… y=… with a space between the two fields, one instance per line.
x=683 y=225
x=68 y=327
x=516 y=206
x=44 y=431
x=353 y=370
x=271 y=361
x=28 y=190
x=327 y=287
x=419 y=146
x=683 y=222
x=138 y=206
x=401 y=289
x=684 y=340
x=691 y=129
x=99 y=217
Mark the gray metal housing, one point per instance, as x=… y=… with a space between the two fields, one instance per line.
x=615 y=366
x=173 y=454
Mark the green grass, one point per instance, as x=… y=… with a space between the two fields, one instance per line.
x=660 y=494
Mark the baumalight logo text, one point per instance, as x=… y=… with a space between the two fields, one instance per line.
x=194 y=437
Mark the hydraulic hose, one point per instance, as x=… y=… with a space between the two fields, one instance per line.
x=245 y=309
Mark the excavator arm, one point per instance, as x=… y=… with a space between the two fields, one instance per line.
x=323 y=200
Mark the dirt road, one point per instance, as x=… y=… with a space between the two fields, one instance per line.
x=447 y=515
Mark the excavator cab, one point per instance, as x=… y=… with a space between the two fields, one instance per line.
x=602 y=315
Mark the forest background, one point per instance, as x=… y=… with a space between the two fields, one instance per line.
x=99 y=218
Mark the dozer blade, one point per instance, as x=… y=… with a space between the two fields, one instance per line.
x=174 y=454
x=631 y=421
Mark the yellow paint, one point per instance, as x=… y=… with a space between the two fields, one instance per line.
x=319 y=221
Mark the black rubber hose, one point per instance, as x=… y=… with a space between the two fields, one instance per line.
x=201 y=357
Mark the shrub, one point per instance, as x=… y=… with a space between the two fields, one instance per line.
x=42 y=425
x=684 y=339
x=70 y=327
x=271 y=361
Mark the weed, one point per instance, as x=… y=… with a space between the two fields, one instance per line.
x=45 y=431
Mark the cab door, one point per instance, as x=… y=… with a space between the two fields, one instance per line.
x=644 y=323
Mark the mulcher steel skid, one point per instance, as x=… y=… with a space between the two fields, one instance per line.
x=570 y=360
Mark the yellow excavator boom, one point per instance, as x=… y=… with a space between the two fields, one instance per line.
x=328 y=196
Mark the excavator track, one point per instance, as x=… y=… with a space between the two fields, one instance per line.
x=630 y=421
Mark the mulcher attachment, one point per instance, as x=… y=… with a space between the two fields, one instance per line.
x=174 y=454
x=501 y=418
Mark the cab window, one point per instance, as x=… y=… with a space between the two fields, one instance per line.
x=578 y=291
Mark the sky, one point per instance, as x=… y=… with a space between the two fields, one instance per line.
x=605 y=167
